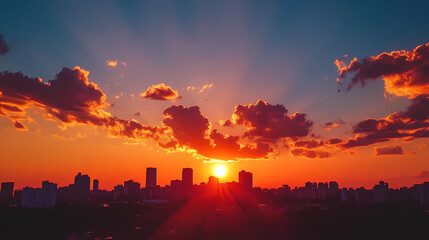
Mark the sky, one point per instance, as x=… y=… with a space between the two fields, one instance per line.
x=290 y=91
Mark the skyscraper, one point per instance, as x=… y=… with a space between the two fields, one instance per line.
x=6 y=192
x=187 y=178
x=150 y=177
x=95 y=184
x=81 y=188
x=131 y=188
x=245 y=179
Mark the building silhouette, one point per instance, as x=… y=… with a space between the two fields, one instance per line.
x=131 y=189
x=380 y=192
x=117 y=192
x=6 y=192
x=213 y=181
x=245 y=179
x=81 y=188
x=95 y=185
x=150 y=177
x=187 y=178
x=40 y=197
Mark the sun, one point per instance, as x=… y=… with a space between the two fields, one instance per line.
x=220 y=171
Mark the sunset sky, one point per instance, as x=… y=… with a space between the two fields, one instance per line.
x=290 y=91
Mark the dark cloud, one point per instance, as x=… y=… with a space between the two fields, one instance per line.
x=193 y=132
x=394 y=150
x=413 y=123
x=300 y=152
x=329 y=125
x=18 y=125
x=160 y=92
x=3 y=46
x=70 y=98
x=308 y=143
x=269 y=123
x=405 y=73
x=333 y=141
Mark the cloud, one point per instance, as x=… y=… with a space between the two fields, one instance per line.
x=393 y=150
x=112 y=64
x=70 y=98
x=3 y=46
x=206 y=87
x=333 y=141
x=160 y=92
x=192 y=131
x=330 y=125
x=18 y=125
x=300 y=152
x=269 y=123
x=423 y=174
x=405 y=73
x=308 y=143
x=413 y=123
x=200 y=90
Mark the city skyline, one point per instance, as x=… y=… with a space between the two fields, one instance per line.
x=290 y=92
x=243 y=177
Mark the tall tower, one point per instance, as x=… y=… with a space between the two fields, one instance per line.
x=95 y=185
x=6 y=192
x=187 y=178
x=245 y=179
x=81 y=188
x=150 y=177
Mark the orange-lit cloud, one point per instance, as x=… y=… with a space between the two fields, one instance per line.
x=161 y=92
x=413 y=123
x=206 y=87
x=405 y=73
x=202 y=89
x=393 y=150
x=330 y=125
x=70 y=98
x=3 y=46
x=192 y=131
x=112 y=64
x=268 y=123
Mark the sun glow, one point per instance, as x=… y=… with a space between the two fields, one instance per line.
x=220 y=171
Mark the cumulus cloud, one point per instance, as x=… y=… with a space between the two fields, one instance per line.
x=268 y=123
x=160 y=92
x=192 y=131
x=413 y=123
x=405 y=73
x=70 y=98
x=3 y=46
x=393 y=150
